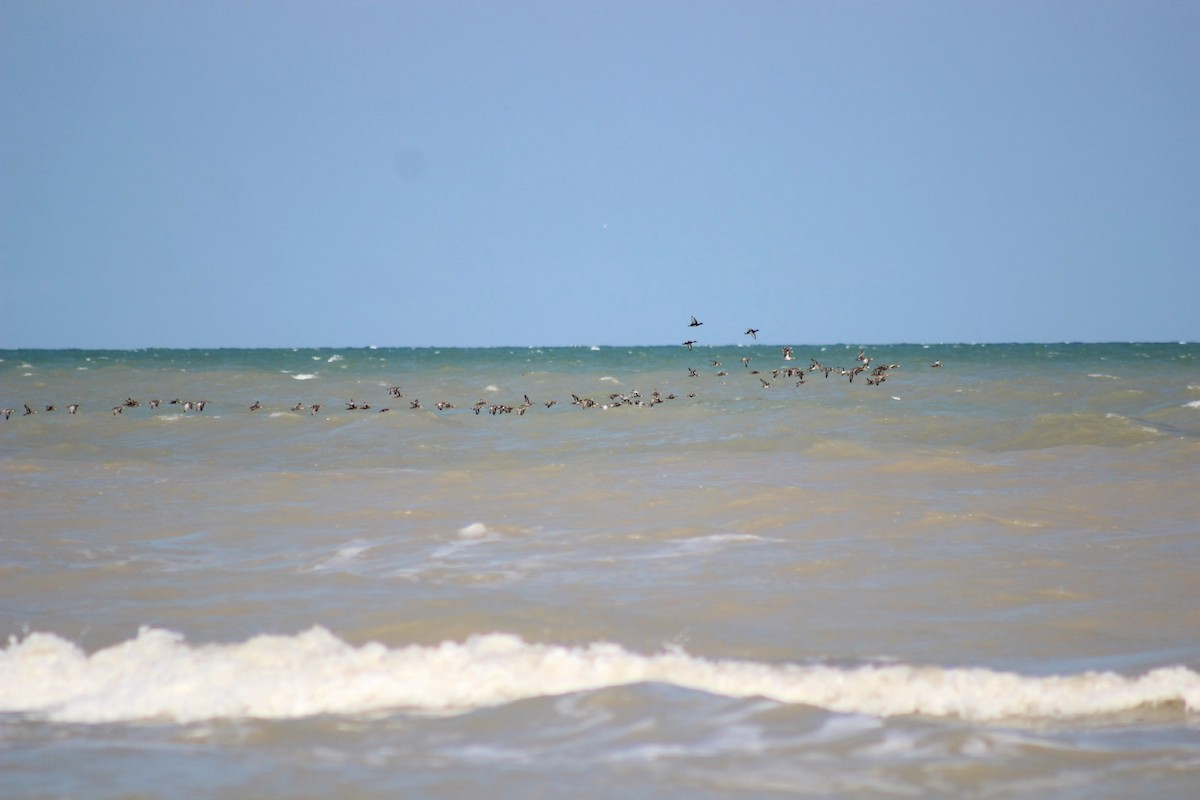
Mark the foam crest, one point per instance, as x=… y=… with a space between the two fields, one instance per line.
x=159 y=676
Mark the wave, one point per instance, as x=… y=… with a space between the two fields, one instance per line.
x=159 y=676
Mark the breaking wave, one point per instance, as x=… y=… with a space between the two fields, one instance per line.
x=159 y=676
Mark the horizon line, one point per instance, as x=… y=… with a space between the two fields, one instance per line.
x=596 y=345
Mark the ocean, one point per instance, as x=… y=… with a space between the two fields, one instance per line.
x=601 y=571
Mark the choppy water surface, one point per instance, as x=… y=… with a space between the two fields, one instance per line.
x=971 y=580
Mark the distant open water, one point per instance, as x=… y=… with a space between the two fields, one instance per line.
x=972 y=580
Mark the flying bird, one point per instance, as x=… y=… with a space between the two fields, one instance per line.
x=752 y=333
x=694 y=323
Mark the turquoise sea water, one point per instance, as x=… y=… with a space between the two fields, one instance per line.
x=970 y=580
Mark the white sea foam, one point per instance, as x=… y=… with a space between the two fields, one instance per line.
x=304 y=376
x=1192 y=404
x=158 y=675
x=346 y=556
x=475 y=530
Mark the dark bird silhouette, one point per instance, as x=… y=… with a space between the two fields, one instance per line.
x=694 y=323
x=752 y=333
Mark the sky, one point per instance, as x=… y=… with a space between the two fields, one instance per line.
x=285 y=173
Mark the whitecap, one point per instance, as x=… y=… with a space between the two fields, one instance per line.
x=333 y=358
x=346 y=555
x=1192 y=404
x=159 y=676
x=475 y=530
x=304 y=376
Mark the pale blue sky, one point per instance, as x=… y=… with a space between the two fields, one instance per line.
x=205 y=174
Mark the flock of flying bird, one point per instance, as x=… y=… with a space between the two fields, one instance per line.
x=875 y=377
